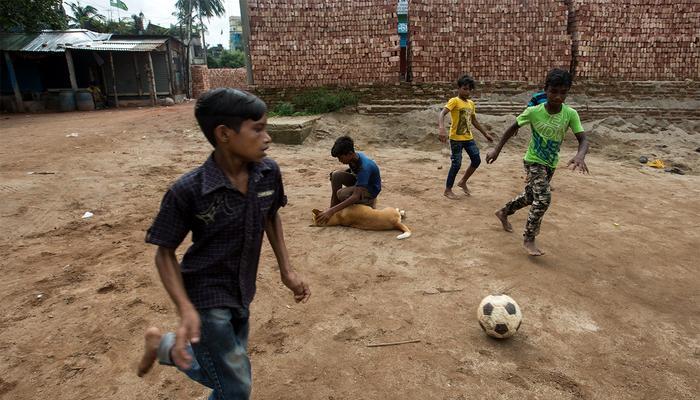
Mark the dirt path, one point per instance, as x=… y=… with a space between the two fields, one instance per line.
x=610 y=313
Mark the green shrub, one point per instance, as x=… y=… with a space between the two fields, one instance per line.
x=315 y=101
x=323 y=100
x=284 y=108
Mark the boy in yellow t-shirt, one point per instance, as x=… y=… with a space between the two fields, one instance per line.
x=463 y=114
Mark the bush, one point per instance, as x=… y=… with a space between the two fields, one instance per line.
x=284 y=108
x=315 y=101
x=323 y=100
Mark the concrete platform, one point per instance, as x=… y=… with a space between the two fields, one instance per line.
x=291 y=130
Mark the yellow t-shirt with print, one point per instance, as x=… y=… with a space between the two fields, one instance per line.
x=461 y=113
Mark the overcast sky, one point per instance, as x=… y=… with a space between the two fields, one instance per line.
x=160 y=13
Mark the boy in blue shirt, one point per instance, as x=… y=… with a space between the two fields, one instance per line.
x=359 y=184
x=227 y=203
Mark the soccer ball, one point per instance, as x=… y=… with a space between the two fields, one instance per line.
x=499 y=316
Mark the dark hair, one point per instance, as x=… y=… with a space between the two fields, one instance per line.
x=466 y=80
x=343 y=145
x=229 y=107
x=558 y=77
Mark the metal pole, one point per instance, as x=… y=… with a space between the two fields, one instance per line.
x=245 y=21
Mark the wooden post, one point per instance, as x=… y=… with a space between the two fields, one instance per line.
x=114 y=79
x=245 y=21
x=15 y=84
x=169 y=60
x=152 y=80
x=138 y=74
x=71 y=71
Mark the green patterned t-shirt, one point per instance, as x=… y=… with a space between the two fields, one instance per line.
x=548 y=132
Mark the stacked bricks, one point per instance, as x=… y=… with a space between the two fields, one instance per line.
x=228 y=77
x=637 y=39
x=200 y=80
x=304 y=43
x=514 y=40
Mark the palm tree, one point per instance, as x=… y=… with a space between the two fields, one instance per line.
x=86 y=17
x=205 y=9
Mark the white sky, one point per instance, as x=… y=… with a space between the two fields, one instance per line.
x=160 y=13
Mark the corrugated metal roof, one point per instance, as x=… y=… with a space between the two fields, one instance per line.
x=15 y=41
x=121 y=45
x=49 y=41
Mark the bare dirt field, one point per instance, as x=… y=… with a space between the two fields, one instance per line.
x=611 y=312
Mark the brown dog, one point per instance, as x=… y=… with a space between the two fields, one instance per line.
x=365 y=217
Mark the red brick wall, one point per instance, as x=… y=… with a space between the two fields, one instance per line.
x=491 y=40
x=228 y=77
x=297 y=43
x=303 y=43
x=638 y=39
x=200 y=80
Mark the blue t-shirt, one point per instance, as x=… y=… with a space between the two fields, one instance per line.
x=537 y=99
x=368 y=175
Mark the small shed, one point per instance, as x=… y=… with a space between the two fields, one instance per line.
x=42 y=71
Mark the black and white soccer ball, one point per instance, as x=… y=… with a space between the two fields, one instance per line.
x=499 y=316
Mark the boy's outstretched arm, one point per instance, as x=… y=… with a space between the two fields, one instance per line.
x=492 y=155
x=579 y=160
x=325 y=216
x=273 y=230
x=188 y=331
x=481 y=129
x=442 y=134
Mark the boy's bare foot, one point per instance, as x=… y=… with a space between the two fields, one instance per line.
x=532 y=248
x=150 y=351
x=501 y=215
x=463 y=185
x=450 y=194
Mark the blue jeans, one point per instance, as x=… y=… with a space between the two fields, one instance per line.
x=220 y=360
x=457 y=146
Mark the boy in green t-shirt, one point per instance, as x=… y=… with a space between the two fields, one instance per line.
x=548 y=122
x=463 y=114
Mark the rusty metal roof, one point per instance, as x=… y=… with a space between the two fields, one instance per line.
x=49 y=41
x=122 y=45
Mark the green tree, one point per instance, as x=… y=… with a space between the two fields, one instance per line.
x=188 y=10
x=231 y=59
x=86 y=17
x=125 y=26
x=31 y=16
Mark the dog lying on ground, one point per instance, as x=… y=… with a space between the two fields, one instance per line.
x=365 y=217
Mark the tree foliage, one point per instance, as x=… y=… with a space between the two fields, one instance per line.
x=223 y=58
x=31 y=15
x=85 y=17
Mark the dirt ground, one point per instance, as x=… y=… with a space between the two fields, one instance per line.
x=611 y=312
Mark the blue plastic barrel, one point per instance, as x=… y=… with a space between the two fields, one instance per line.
x=84 y=100
x=52 y=101
x=66 y=100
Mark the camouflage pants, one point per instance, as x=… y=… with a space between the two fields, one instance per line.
x=537 y=193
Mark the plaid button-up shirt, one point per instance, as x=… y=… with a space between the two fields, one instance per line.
x=220 y=267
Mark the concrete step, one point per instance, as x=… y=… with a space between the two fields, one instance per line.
x=506 y=108
x=291 y=130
